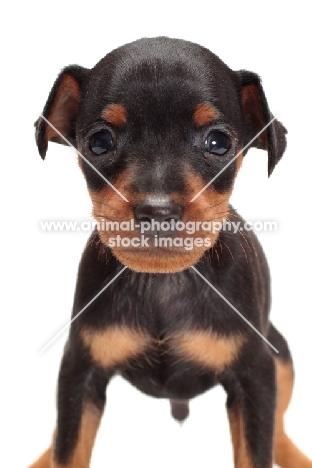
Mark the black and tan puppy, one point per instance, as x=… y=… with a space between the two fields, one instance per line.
x=154 y=122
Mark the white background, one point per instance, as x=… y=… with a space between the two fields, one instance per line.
x=39 y=269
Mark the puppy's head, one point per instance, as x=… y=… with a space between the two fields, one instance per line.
x=157 y=122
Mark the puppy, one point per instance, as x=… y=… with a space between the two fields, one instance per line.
x=161 y=127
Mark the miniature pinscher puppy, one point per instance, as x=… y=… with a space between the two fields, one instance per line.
x=158 y=125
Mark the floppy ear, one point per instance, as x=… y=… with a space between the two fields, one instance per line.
x=257 y=116
x=61 y=109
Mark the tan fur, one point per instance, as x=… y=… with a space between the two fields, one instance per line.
x=90 y=421
x=239 y=163
x=204 y=114
x=45 y=461
x=115 y=114
x=108 y=205
x=115 y=345
x=242 y=457
x=81 y=456
x=287 y=455
x=208 y=349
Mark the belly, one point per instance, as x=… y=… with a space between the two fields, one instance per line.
x=169 y=378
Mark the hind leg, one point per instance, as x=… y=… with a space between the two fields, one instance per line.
x=286 y=454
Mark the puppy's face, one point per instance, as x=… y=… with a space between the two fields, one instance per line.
x=160 y=119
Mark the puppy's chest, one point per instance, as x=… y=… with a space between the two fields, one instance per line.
x=122 y=346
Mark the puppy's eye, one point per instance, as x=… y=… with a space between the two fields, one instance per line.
x=217 y=143
x=101 y=142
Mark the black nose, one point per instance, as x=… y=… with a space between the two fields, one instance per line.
x=157 y=215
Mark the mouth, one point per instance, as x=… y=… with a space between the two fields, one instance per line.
x=157 y=260
x=159 y=234
x=158 y=251
x=157 y=254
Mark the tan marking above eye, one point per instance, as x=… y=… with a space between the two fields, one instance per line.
x=204 y=114
x=115 y=114
x=115 y=345
x=208 y=349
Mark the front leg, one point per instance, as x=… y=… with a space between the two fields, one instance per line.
x=81 y=400
x=250 y=406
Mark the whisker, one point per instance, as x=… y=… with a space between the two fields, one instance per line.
x=230 y=251
x=249 y=242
